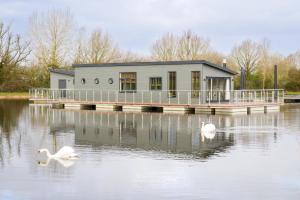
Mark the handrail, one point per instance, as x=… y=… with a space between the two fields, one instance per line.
x=187 y=97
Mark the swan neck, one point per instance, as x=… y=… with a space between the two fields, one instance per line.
x=49 y=154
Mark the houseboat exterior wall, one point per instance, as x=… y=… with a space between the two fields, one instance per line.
x=143 y=75
x=56 y=78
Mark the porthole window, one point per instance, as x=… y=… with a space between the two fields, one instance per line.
x=83 y=81
x=97 y=81
x=110 y=81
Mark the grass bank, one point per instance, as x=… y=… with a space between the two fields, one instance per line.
x=292 y=93
x=14 y=95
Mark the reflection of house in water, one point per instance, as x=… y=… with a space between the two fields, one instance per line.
x=171 y=133
x=178 y=134
x=61 y=121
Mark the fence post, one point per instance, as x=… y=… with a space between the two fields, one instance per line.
x=133 y=98
x=93 y=95
x=117 y=97
x=160 y=97
x=125 y=97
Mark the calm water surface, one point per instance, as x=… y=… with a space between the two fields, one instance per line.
x=148 y=155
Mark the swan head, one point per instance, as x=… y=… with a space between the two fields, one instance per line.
x=202 y=124
x=43 y=150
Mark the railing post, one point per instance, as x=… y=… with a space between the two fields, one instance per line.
x=108 y=99
x=189 y=98
x=209 y=96
x=199 y=96
x=142 y=97
x=178 y=99
x=101 y=96
x=125 y=97
x=160 y=97
x=219 y=97
x=133 y=98
x=151 y=97
x=93 y=95
x=117 y=97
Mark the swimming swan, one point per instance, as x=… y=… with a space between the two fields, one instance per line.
x=65 y=152
x=208 y=130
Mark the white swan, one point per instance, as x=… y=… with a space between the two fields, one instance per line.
x=208 y=130
x=65 y=152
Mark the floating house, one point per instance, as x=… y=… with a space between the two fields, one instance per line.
x=169 y=78
x=171 y=86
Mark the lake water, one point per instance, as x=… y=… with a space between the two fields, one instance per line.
x=148 y=155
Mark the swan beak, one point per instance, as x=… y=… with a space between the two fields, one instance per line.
x=39 y=151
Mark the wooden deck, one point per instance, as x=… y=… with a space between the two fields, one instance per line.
x=216 y=108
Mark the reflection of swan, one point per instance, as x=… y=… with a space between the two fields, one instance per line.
x=208 y=131
x=64 y=153
x=63 y=162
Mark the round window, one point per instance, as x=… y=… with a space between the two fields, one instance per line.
x=83 y=81
x=110 y=81
x=97 y=81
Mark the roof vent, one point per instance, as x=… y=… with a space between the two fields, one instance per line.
x=224 y=63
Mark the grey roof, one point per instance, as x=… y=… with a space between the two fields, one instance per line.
x=187 y=62
x=67 y=72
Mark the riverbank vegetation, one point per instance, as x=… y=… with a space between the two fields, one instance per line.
x=55 y=40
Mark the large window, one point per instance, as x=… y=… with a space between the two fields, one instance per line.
x=155 y=83
x=196 y=84
x=128 y=81
x=172 y=84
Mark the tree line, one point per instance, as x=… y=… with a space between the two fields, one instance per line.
x=54 y=40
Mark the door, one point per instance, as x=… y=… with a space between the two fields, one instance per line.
x=218 y=89
x=62 y=85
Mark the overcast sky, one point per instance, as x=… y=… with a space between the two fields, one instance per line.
x=136 y=24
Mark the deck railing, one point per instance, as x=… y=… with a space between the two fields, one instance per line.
x=186 y=97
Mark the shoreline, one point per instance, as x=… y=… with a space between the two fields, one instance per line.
x=13 y=97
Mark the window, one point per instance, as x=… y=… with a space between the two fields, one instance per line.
x=97 y=81
x=128 y=81
x=155 y=83
x=172 y=84
x=83 y=81
x=196 y=83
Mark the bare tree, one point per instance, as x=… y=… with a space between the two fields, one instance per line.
x=247 y=55
x=294 y=59
x=131 y=57
x=98 y=49
x=12 y=50
x=13 y=53
x=51 y=36
x=192 y=47
x=165 y=49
